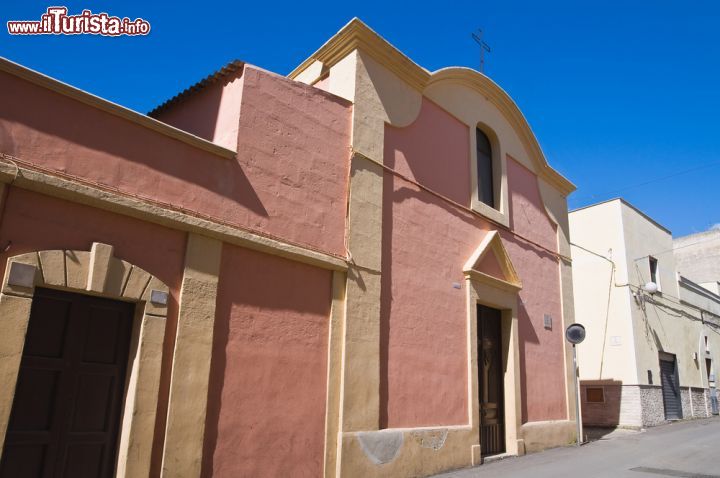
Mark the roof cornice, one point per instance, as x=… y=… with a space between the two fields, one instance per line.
x=358 y=36
x=698 y=289
x=499 y=97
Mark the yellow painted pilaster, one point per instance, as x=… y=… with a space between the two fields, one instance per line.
x=335 y=349
x=182 y=456
x=16 y=314
x=361 y=352
x=138 y=427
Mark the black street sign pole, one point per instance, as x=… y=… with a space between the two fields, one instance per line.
x=575 y=334
x=577 y=396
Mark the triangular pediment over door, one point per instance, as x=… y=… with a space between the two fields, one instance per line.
x=490 y=263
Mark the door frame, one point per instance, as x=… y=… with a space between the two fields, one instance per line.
x=96 y=272
x=504 y=297
x=501 y=353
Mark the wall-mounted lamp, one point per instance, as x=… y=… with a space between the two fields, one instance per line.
x=651 y=288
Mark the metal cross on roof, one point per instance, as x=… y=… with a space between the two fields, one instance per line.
x=484 y=47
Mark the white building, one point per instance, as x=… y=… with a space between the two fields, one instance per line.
x=648 y=356
x=698 y=257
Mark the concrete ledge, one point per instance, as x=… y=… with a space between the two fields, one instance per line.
x=539 y=436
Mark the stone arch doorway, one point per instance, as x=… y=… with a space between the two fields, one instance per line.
x=102 y=279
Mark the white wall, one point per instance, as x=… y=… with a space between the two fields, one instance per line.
x=602 y=302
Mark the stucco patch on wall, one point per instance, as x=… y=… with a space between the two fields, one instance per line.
x=382 y=446
x=434 y=439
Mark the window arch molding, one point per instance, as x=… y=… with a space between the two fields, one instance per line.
x=498 y=209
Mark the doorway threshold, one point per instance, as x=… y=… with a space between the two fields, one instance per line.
x=498 y=457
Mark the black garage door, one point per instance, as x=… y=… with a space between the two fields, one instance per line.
x=670 y=388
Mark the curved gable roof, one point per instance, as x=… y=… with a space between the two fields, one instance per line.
x=356 y=35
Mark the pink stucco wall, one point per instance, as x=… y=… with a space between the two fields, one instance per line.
x=434 y=152
x=289 y=180
x=542 y=372
x=422 y=316
x=323 y=84
x=294 y=142
x=211 y=113
x=266 y=404
x=489 y=265
x=426 y=241
x=35 y=222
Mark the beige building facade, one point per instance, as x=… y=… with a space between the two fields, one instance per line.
x=649 y=356
x=698 y=257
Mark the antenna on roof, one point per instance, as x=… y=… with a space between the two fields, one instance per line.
x=484 y=47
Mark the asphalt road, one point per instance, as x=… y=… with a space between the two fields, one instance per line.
x=683 y=449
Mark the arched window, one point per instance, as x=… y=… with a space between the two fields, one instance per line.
x=485 y=189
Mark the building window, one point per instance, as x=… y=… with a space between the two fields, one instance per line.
x=595 y=395
x=485 y=187
x=654 y=272
x=653 y=269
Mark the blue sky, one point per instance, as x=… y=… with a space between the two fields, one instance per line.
x=619 y=93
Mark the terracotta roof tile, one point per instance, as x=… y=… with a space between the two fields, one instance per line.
x=227 y=70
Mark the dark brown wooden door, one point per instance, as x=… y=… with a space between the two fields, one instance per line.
x=66 y=410
x=490 y=380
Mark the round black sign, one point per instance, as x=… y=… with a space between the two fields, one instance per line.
x=575 y=333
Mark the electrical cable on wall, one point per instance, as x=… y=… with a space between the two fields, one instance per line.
x=679 y=313
x=462 y=207
x=607 y=307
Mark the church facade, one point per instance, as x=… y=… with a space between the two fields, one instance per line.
x=362 y=268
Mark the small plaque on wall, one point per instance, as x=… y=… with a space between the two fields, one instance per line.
x=21 y=275
x=548 y=321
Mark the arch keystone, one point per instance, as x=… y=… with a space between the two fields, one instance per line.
x=100 y=256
